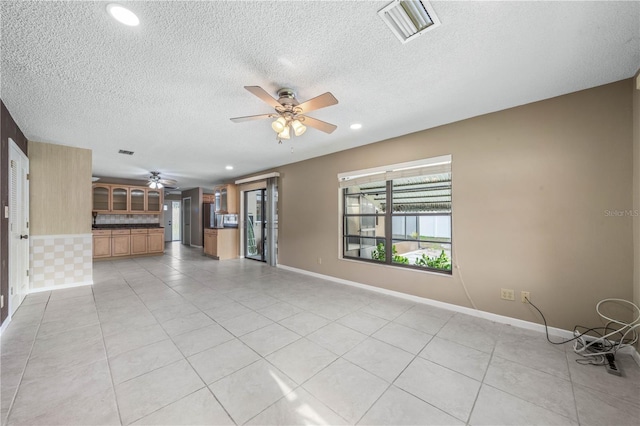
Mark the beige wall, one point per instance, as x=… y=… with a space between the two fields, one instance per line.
x=60 y=193
x=531 y=187
x=636 y=189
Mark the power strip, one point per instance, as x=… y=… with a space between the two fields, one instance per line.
x=612 y=367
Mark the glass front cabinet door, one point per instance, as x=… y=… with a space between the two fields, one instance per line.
x=137 y=200
x=119 y=199
x=101 y=198
x=154 y=202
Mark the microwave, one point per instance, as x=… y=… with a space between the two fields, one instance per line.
x=229 y=221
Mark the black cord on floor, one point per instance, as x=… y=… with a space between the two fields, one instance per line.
x=546 y=328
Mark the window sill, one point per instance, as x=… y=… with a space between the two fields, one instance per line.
x=397 y=268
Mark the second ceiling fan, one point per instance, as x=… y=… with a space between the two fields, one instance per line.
x=289 y=113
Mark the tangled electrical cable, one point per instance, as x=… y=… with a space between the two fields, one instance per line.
x=596 y=349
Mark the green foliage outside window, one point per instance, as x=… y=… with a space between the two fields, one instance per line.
x=440 y=262
x=380 y=254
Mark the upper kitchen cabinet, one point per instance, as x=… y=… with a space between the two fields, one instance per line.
x=120 y=199
x=125 y=199
x=154 y=201
x=226 y=198
x=101 y=198
x=138 y=197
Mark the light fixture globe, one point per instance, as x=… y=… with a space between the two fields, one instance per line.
x=284 y=134
x=279 y=125
x=298 y=127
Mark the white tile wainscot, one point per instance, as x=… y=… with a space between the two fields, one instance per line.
x=60 y=261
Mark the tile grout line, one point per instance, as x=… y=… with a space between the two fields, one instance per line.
x=106 y=354
x=24 y=369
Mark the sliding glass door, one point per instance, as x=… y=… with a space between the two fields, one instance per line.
x=255 y=224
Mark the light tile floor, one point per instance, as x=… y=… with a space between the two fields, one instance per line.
x=183 y=339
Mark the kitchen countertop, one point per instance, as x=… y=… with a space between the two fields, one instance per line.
x=126 y=226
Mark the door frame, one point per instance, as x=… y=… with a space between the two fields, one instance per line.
x=186 y=236
x=17 y=293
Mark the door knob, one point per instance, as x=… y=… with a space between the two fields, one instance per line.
x=24 y=237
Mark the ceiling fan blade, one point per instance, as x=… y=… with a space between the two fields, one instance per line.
x=170 y=182
x=319 y=124
x=252 y=117
x=262 y=94
x=324 y=100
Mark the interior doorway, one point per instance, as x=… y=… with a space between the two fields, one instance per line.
x=186 y=221
x=18 y=227
x=255 y=225
x=171 y=220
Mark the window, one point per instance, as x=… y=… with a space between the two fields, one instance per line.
x=407 y=209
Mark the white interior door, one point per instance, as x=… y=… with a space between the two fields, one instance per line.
x=168 y=216
x=18 y=226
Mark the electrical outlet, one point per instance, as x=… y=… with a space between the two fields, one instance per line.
x=507 y=294
x=524 y=295
x=319 y=261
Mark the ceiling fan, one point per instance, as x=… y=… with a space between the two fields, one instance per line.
x=289 y=113
x=155 y=181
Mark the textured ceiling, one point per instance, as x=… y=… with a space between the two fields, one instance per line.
x=166 y=89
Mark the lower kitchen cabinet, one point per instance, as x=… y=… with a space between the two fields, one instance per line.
x=102 y=243
x=109 y=243
x=139 y=241
x=120 y=242
x=221 y=243
x=156 y=240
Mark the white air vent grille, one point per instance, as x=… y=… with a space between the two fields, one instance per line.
x=409 y=18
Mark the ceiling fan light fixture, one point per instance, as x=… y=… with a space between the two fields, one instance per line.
x=298 y=127
x=284 y=134
x=279 y=125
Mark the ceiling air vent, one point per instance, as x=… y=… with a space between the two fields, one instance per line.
x=125 y=152
x=409 y=18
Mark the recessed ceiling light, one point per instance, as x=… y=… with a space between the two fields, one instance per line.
x=122 y=14
x=229 y=167
x=356 y=126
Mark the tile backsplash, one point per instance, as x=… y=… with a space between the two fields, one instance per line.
x=108 y=219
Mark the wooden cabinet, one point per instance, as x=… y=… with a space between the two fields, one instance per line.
x=154 y=200
x=121 y=242
x=101 y=198
x=226 y=198
x=210 y=242
x=101 y=243
x=156 y=240
x=120 y=199
x=127 y=242
x=123 y=199
x=221 y=243
x=138 y=200
x=208 y=198
x=139 y=241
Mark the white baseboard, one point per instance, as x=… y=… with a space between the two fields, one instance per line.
x=558 y=332
x=59 y=287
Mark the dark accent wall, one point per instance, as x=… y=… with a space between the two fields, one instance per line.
x=8 y=129
x=196 y=215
